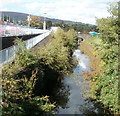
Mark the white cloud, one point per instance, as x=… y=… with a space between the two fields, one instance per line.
x=32 y=6
x=4 y=4
x=83 y=11
x=76 y=10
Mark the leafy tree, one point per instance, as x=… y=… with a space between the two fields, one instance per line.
x=109 y=26
x=5 y=18
x=49 y=24
x=18 y=98
x=106 y=84
x=71 y=39
x=35 y=22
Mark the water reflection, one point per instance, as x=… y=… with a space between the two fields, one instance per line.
x=60 y=94
x=83 y=62
x=69 y=92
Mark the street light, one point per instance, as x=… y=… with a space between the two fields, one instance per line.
x=28 y=19
x=44 y=24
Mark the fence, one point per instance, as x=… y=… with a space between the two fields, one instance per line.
x=8 y=54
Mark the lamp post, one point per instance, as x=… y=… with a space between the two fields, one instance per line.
x=28 y=19
x=44 y=23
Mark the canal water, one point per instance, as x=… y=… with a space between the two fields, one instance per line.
x=70 y=93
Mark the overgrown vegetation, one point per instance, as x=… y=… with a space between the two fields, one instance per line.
x=24 y=80
x=105 y=84
x=35 y=22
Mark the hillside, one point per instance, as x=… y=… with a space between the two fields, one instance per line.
x=23 y=16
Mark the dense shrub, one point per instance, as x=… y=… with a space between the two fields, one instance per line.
x=105 y=86
x=57 y=54
x=18 y=96
x=109 y=53
x=23 y=79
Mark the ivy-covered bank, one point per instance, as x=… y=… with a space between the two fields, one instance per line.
x=103 y=53
x=26 y=80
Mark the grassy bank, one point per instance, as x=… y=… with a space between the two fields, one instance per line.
x=95 y=62
x=26 y=81
x=104 y=75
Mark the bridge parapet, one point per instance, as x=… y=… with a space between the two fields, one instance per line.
x=8 y=54
x=7 y=30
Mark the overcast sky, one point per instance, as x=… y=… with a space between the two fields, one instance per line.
x=75 y=10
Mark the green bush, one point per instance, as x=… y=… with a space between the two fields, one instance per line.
x=22 y=77
x=106 y=86
x=57 y=55
x=18 y=89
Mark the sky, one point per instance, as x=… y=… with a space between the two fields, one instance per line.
x=85 y=11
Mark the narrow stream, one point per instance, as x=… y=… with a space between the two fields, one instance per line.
x=69 y=94
x=76 y=104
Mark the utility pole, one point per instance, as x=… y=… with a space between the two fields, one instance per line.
x=28 y=19
x=44 y=23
